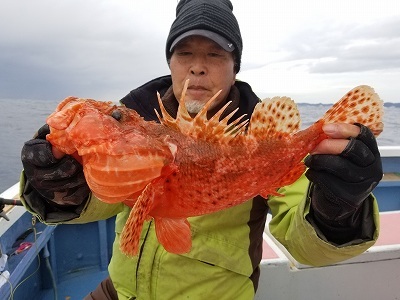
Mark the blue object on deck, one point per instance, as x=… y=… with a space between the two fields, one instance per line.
x=77 y=254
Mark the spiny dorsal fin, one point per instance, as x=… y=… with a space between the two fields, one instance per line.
x=183 y=119
x=274 y=117
x=199 y=126
x=360 y=105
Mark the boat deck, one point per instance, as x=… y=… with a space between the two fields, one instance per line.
x=380 y=263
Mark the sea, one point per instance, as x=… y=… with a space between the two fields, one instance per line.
x=19 y=119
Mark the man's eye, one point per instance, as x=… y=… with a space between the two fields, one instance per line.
x=184 y=53
x=215 y=54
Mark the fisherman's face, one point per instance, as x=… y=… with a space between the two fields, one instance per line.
x=209 y=69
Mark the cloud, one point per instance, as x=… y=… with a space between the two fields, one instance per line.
x=102 y=48
x=338 y=48
x=55 y=49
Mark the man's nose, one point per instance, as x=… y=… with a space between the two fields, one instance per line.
x=198 y=66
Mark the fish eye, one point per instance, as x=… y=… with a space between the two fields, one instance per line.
x=116 y=114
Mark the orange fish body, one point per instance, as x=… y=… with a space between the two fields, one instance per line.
x=188 y=166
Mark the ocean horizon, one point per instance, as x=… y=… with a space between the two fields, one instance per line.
x=19 y=119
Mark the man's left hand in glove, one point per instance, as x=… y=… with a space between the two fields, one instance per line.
x=344 y=170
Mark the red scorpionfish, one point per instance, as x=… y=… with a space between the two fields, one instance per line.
x=190 y=166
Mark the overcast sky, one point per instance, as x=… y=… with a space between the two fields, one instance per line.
x=310 y=50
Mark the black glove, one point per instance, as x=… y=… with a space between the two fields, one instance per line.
x=58 y=181
x=342 y=182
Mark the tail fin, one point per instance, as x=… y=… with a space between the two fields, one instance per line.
x=360 y=105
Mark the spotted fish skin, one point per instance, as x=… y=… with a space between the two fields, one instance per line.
x=184 y=166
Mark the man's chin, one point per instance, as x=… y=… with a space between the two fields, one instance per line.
x=194 y=106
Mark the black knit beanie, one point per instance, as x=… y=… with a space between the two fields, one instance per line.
x=212 y=15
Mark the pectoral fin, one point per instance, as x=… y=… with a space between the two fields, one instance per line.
x=174 y=234
x=129 y=243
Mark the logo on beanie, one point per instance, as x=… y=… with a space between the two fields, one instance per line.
x=230 y=45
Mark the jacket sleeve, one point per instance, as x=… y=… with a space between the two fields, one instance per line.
x=92 y=210
x=290 y=227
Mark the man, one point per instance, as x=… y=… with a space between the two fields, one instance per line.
x=316 y=220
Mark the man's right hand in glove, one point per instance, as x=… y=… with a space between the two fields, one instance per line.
x=57 y=178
